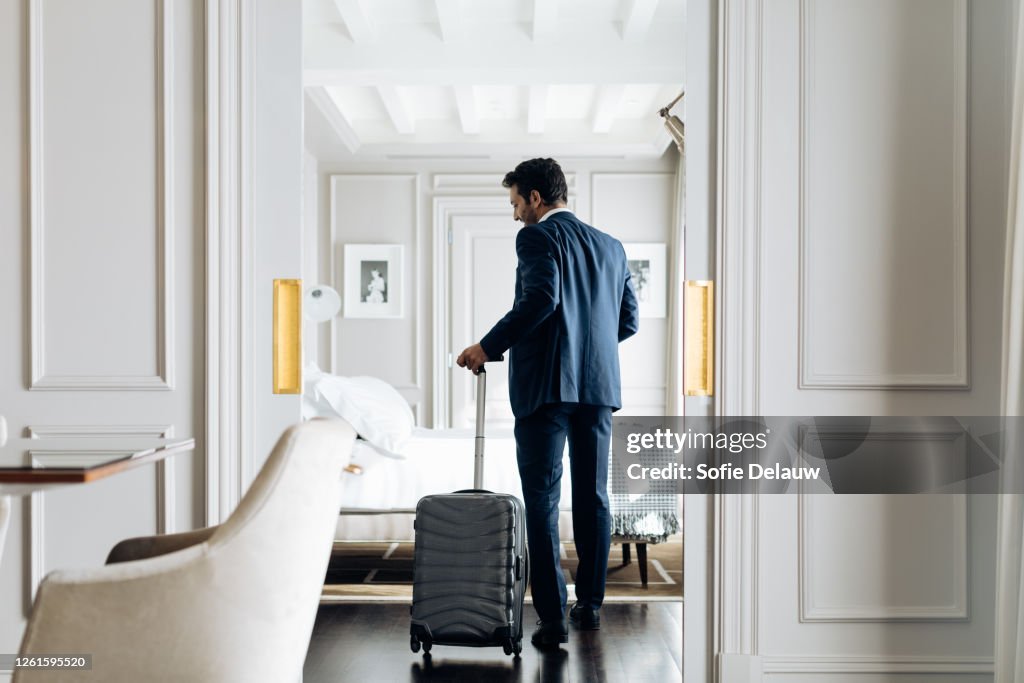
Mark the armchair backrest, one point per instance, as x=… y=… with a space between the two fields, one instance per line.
x=237 y=607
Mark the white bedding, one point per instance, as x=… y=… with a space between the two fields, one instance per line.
x=436 y=461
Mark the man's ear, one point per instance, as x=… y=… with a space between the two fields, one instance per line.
x=535 y=197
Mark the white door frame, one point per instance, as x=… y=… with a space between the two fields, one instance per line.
x=445 y=209
x=253 y=230
x=228 y=201
x=703 y=582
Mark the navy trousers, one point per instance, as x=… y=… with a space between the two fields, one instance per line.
x=540 y=442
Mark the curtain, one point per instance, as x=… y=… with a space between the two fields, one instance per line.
x=1009 y=647
x=674 y=361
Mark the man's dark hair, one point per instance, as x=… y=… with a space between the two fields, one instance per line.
x=543 y=175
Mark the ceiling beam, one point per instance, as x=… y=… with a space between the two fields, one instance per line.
x=639 y=16
x=419 y=58
x=335 y=117
x=449 y=16
x=665 y=74
x=355 y=14
x=401 y=119
x=608 y=102
x=545 y=18
x=514 y=151
x=469 y=117
x=537 y=109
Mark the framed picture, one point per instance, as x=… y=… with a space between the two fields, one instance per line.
x=373 y=280
x=648 y=268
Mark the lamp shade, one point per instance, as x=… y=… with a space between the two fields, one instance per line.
x=321 y=303
x=675 y=129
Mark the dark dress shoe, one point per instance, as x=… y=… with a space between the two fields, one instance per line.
x=585 y=618
x=550 y=634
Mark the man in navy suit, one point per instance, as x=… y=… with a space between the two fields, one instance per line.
x=574 y=304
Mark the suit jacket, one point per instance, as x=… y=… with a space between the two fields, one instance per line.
x=574 y=304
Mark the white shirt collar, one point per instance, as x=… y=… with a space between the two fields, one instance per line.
x=551 y=213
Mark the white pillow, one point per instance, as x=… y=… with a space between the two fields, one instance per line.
x=373 y=407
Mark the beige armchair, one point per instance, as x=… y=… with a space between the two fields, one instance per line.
x=234 y=602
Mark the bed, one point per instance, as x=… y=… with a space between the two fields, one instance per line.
x=380 y=493
x=394 y=464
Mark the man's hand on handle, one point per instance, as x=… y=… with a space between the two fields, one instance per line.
x=472 y=357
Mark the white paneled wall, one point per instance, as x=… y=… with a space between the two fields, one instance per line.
x=398 y=203
x=101 y=262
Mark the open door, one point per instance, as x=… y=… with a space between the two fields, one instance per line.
x=861 y=237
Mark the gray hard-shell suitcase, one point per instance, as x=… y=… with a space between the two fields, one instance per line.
x=471 y=567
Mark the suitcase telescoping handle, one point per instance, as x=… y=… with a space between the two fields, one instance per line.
x=481 y=403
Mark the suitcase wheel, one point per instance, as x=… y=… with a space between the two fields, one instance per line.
x=426 y=646
x=414 y=644
x=512 y=647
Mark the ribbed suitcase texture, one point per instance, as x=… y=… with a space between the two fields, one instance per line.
x=470 y=571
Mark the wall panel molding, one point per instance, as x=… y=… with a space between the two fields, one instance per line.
x=809 y=376
x=489 y=183
x=99 y=431
x=163 y=380
x=876 y=664
x=954 y=609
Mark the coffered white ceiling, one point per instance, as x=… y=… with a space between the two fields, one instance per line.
x=492 y=78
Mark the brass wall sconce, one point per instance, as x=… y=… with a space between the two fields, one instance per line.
x=699 y=338
x=287 y=336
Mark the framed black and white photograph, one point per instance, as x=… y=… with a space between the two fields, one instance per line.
x=373 y=280
x=649 y=272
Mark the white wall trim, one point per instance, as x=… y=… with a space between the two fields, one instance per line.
x=959 y=377
x=229 y=411
x=489 y=183
x=738 y=304
x=165 y=194
x=876 y=664
x=164 y=379
x=957 y=609
x=246 y=247
x=99 y=431
x=737 y=580
x=420 y=266
x=736 y=562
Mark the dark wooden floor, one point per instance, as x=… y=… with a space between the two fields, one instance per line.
x=639 y=643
